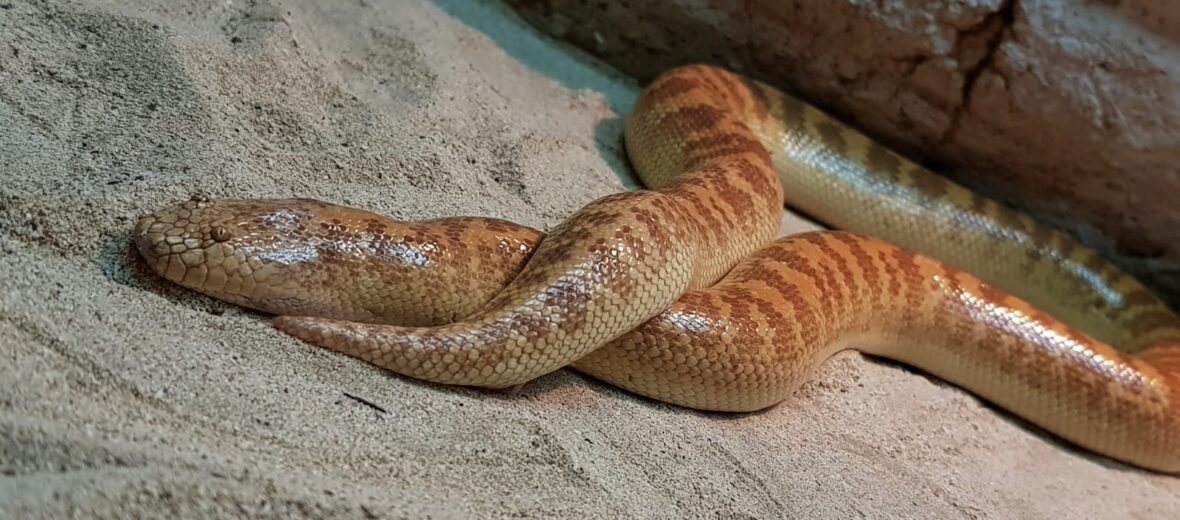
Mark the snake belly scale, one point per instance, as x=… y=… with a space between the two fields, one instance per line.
x=678 y=292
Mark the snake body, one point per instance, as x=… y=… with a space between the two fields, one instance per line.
x=678 y=293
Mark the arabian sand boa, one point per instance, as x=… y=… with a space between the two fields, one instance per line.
x=679 y=293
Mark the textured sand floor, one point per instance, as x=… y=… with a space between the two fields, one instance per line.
x=123 y=395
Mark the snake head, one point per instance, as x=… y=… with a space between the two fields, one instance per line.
x=225 y=248
x=305 y=257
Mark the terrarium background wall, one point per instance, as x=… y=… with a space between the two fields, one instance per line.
x=1067 y=109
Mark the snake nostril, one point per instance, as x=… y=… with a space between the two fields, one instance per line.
x=220 y=234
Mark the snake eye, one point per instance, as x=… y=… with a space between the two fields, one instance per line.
x=220 y=234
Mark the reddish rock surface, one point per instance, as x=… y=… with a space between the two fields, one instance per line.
x=1067 y=109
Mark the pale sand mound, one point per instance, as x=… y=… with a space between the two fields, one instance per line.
x=123 y=394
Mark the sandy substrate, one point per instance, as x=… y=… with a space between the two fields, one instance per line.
x=121 y=394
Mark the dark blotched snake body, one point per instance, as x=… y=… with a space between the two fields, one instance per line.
x=679 y=293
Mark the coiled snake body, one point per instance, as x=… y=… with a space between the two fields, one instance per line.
x=679 y=294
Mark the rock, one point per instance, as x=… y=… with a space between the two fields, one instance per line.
x=1065 y=109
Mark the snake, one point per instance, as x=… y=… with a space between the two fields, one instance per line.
x=680 y=292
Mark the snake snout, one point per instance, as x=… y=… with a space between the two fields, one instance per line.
x=175 y=240
x=149 y=239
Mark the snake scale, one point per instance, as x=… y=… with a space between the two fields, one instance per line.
x=679 y=292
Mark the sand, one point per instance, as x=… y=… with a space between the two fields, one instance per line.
x=123 y=395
